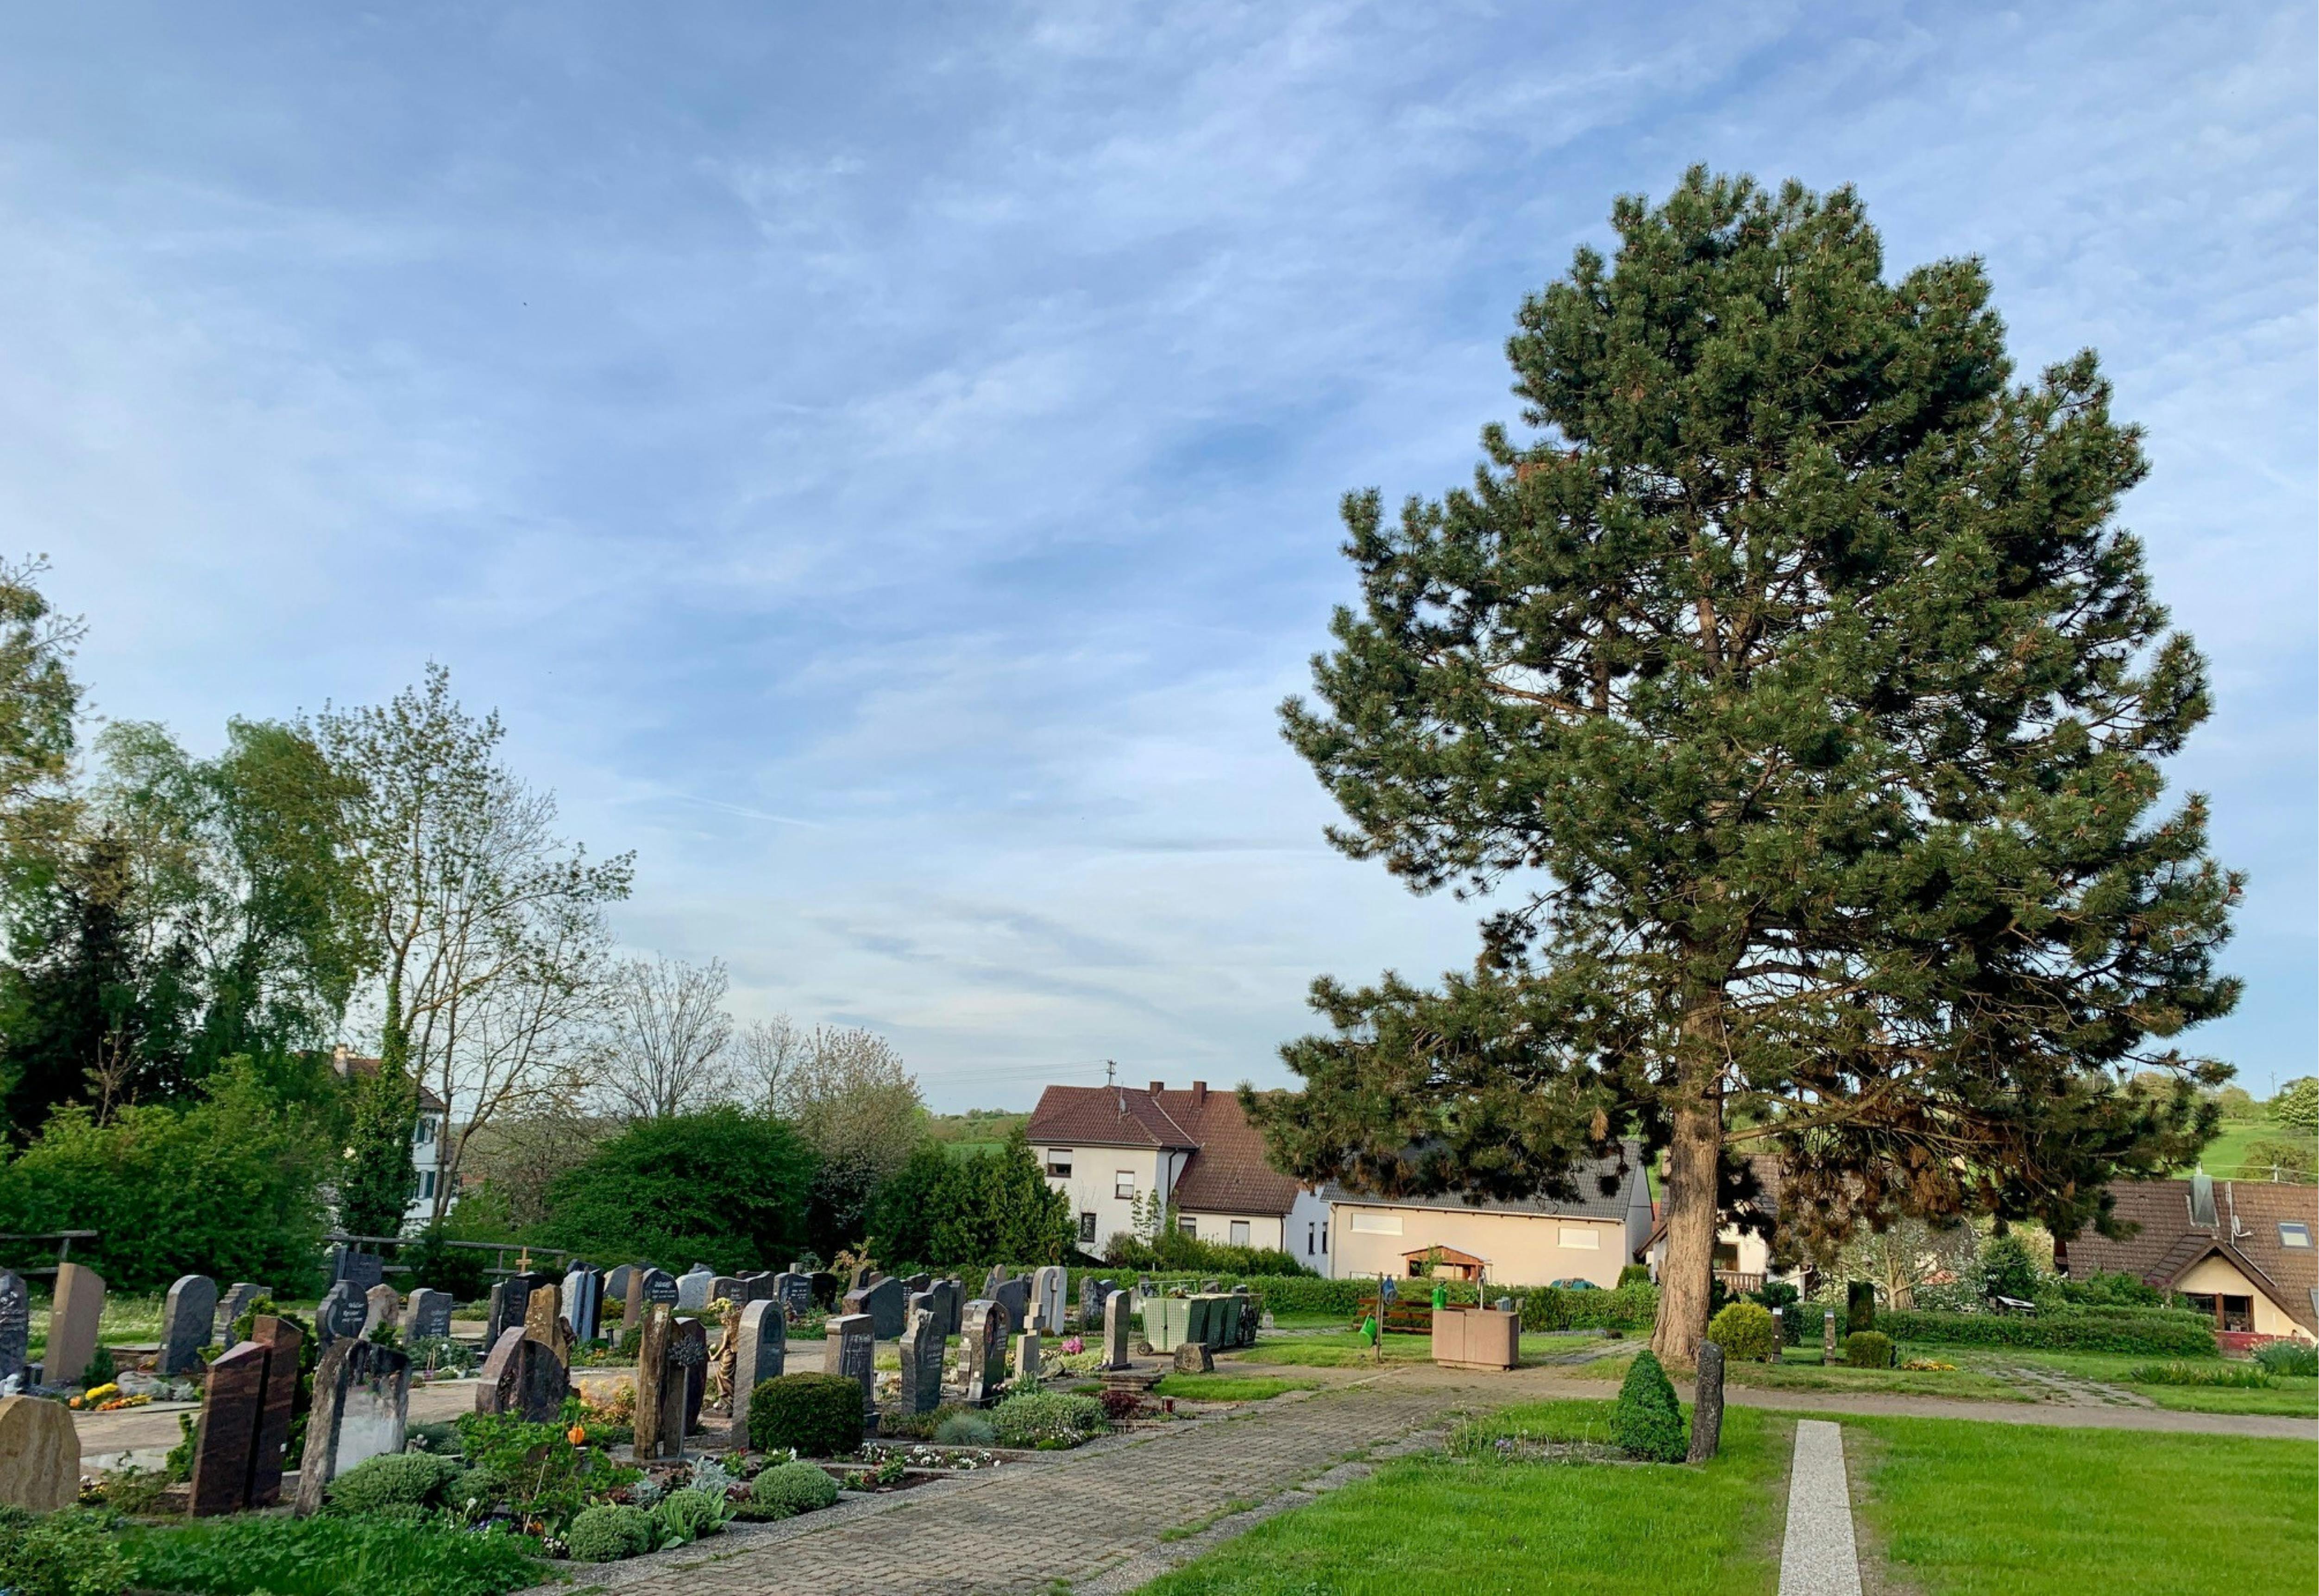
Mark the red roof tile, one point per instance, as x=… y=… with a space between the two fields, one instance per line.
x=1227 y=1172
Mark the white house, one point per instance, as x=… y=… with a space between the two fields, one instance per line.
x=1109 y=1150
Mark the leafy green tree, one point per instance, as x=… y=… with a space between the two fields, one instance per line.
x=39 y=708
x=2297 y=1106
x=1798 y=691
x=227 y=1186
x=724 y=1187
x=992 y=1208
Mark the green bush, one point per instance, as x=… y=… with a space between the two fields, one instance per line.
x=411 y=1477
x=813 y=1415
x=1049 y=1421
x=990 y=1208
x=67 y=1554
x=787 y=1488
x=2288 y=1357
x=966 y=1429
x=1647 y=1423
x=608 y=1532
x=688 y=1514
x=1635 y=1274
x=726 y=1187
x=2109 y=1288
x=2153 y=1333
x=471 y=1491
x=2007 y=1268
x=330 y=1556
x=1745 y=1330
x=1868 y=1349
x=1776 y=1294
x=547 y=1477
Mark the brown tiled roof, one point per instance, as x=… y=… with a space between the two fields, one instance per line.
x=2247 y=1215
x=1104 y=1117
x=1227 y=1172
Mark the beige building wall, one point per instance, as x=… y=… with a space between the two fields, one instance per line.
x=1522 y=1248
x=2219 y=1278
x=1263 y=1230
x=1108 y=1181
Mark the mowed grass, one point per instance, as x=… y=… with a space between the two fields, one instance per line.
x=1484 y=1526
x=1228 y=1388
x=1967 y=1509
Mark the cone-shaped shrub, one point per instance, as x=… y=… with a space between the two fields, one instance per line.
x=1647 y=1423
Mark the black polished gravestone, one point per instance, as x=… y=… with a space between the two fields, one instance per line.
x=883 y=1300
x=343 y=1312
x=510 y=1301
x=1015 y=1296
x=658 y=1286
x=364 y=1269
x=922 y=1358
x=430 y=1314
x=688 y=1349
x=15 y=1324
x=188 y=1315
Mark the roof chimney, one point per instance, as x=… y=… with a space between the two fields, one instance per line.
x=1199 y=1092
x=1159 y=1086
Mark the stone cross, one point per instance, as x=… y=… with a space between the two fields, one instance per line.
x=361 y=1405
x=382 y=1305
x=857 y=1354
x=1026 y=1358
x=922 y=1358
x=15 y=1328
x=693 y=1285
x=344 y=1311
x=985 y=1334
x=1049 y=1285
x=660 y=1388
x=1118 y=1328
x=73 y=1316
x=39 y=1455
x=1707 y=1406
x=233 y=1306
x=430 y=1314
x=187 y=1315
x=764 y=1337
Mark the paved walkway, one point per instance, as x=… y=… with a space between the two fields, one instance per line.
x=1817 y=1557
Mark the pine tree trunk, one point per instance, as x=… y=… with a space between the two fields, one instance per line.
x=1697 y=1145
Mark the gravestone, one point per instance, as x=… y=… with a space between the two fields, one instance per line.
x=232 y=1306
x=985 y=1331
x=1828 y=1337
x=523 y=1377
x=657 y=1286
x=726 y=1288
x=188 y=1315
x=763 y=1351
x=922 y=1358
x=283 y=1342
x=884 y=1301
x=1193 y=1357
x=1026 y=1358
x=827 y=1288
x=1707 y=1406
x=660 y=1387
x=510 y=1301
x=361 y=1405
x=430 y=1314
x=583 y=1301
x=73 y=1316
x=364 y=1269
x=1049 y=1285
x=382 y=1305
x=1015 y=1296
x=757 y=1287
x=543 y=1321
x=992 y=1281
x=793 y=1289
x=39 y=1455
x=856 y=1337
x=343 y=1313
x=688 y=1349
x=692 y=1286
x=1118 y=1328
x=918 y=1283
x=616 y=1283
x=15 y=1324
x=1092 y=1294
x=227 y=1435
x=949 y=1305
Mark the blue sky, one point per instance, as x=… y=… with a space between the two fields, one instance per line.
x=883 y=461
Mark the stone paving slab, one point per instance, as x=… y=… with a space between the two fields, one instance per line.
x=1819 y=1557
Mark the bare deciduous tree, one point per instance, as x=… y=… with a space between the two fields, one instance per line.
x=666 y=1035
x=847 y=1091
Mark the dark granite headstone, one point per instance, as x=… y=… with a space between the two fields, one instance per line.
x=1707 y=1405
x=987 y=1332
x=1118 y=1328
x=15 y=1323
x=688 y=1348
x=283 y=1342
x=659 y=1287
x=232 y=1402
x=430 y=1314
x=187 y=1315
x=510 y=1301
x=991 y=1282
x=232 y=1306
x=918 y=1283
x=757 y=1287
x=793 y=1289
x=582 y=1295
x=950 y=1305
x=883 y=1300
x=1092 y=1292
x=854 y=1337
x=523 y=1377
x=763 y=1352
x=343 y=1312
x=362 y=1269
x=362 y=1408
x=922 y=1358
x=726 y=1288
x=1016 y=1294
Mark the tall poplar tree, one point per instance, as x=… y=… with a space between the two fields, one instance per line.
x=1798 y=698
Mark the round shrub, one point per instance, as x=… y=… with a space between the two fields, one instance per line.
x=791 y=1488
x=689 y=1514
x=1049 y=1421
x=2288 y=1357
x=399 y=1479
x=1745 y=1330
x=1646 y=1422
x=966 y=1429
x=609 y=1532
x=813 y=1415
x=472 y=1490
x=1868 y=1349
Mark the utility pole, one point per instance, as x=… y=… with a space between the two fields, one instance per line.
x=1110 y=1073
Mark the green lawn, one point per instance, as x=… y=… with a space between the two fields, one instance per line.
x=1481 y=1526
x=1966 y=1509
x=1228 y=1388
x=1345 y=1349
x=2290 y=1396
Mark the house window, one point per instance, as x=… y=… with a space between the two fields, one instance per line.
x=1580 y=1237
x=1086 y=1229
x=1324 y=1241
x=1727 y=1257
x=1240 y=1232
x=1310 y=1233
x=1058 y=1162
x=1122 y=1185
x=1377 y=1224
x=2294 y=1235
x=426 y=1183
x=425 y=1133
x=1187 y=1225
x=2238 y=1313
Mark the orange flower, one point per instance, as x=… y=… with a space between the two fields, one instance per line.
x=577 y=1434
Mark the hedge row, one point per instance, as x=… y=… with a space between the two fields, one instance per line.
x=2170 y=1335
x=1542 y=1307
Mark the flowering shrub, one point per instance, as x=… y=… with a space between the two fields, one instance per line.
x=1049 y=1420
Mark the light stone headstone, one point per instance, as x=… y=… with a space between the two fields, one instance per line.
x=616 y=1283
x=430 y=1314
x=921 y=1356
x=382 y=1305
x=73 y=1317
x=189 y=1314
x=361 y=1407
x=763 y=1351
x=986 y=1333
x=583 y=1301
x=992 y=1281
x=232 y=1306
x=693 y=1288
x=15 y=1324
x=1027 y=1357
x=39 y=1455
x=1049 y=1285
x=1118 y=1328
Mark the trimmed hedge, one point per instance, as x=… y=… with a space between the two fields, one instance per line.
x=1744 y=1331
x=2156 y=1333
x=1868 y=1349
x=814 y=1415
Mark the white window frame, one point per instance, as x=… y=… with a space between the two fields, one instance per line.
x=2294 y=1232
x=1237 y=1234
x=1123 y=1185
x=1376 y=1224
x=1086 y=1226
x=1186 y=1225
x=1059 y=1163
x=1578 y=1239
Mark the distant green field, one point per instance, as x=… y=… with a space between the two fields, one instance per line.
x=2226 y=1156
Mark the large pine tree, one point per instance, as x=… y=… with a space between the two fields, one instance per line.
x=1800 y=701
